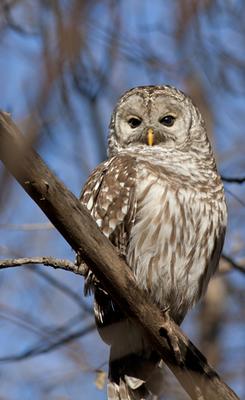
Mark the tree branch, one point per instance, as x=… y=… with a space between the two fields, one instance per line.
x=233 y=179
x=76 y=225
x=48 y=261
x=46 y=347
x=66 y=265
x=64 y=289
x=233 y=264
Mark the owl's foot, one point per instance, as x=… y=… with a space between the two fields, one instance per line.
x=90 y=280
x=81 y=266
x=171 y=337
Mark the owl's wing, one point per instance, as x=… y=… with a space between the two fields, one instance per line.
x=109 y=195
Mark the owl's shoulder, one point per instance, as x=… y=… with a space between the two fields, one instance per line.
x=114 y=173
x=109 y=196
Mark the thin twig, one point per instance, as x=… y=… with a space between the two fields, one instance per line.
x=44 y=348
x=233 y=263
x=237 y=198
x=67 y=265
x=65 y=289
x=233 y=179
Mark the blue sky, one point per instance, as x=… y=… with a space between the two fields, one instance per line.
x=147 y=53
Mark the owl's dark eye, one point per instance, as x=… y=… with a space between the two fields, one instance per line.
x=134 y=122
x=168 y=120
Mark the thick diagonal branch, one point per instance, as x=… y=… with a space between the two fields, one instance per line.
x=81 y=232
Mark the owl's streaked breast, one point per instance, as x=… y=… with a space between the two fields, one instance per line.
x=172 y=241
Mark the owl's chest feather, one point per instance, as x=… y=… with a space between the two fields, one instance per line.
x=171 y=242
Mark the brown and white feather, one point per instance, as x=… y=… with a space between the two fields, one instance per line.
x=163 y=208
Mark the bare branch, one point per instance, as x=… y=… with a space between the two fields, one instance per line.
x=237 y=198
x=6 y=9
x=234 y=264
x=65 y=289
x=79 y=229
x=46 y=347
x=233 y=179
x=48 y=261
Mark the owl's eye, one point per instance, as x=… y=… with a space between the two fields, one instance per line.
x=134 y=122
x=168 y=120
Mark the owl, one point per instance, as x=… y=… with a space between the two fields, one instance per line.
x=160 y=201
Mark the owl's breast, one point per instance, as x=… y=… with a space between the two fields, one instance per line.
x=172 y=242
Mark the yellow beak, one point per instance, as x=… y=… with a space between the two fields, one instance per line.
x=150 y=137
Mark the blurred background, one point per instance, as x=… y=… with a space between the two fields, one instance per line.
x=63 y=65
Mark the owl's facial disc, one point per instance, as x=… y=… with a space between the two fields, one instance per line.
x=159 y=120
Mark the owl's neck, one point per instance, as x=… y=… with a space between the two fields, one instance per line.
x=181 y=165
x=172 y=157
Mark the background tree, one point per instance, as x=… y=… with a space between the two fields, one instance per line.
x=63 y=65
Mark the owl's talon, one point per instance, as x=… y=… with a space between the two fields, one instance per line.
x=174 y=344
x=82 y=267
x=171 y=337
x=166 y=311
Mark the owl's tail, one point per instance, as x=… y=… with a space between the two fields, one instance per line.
x=134 y=377
x=133 y=366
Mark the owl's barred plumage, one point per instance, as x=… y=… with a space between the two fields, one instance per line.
x=163 y=207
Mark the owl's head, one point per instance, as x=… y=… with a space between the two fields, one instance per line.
x=159 y=116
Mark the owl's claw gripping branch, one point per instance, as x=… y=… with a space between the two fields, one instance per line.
x=81 y=265
x=73 y=221
x=171 y=337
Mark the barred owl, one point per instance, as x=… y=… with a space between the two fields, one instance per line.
x=160 y=201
